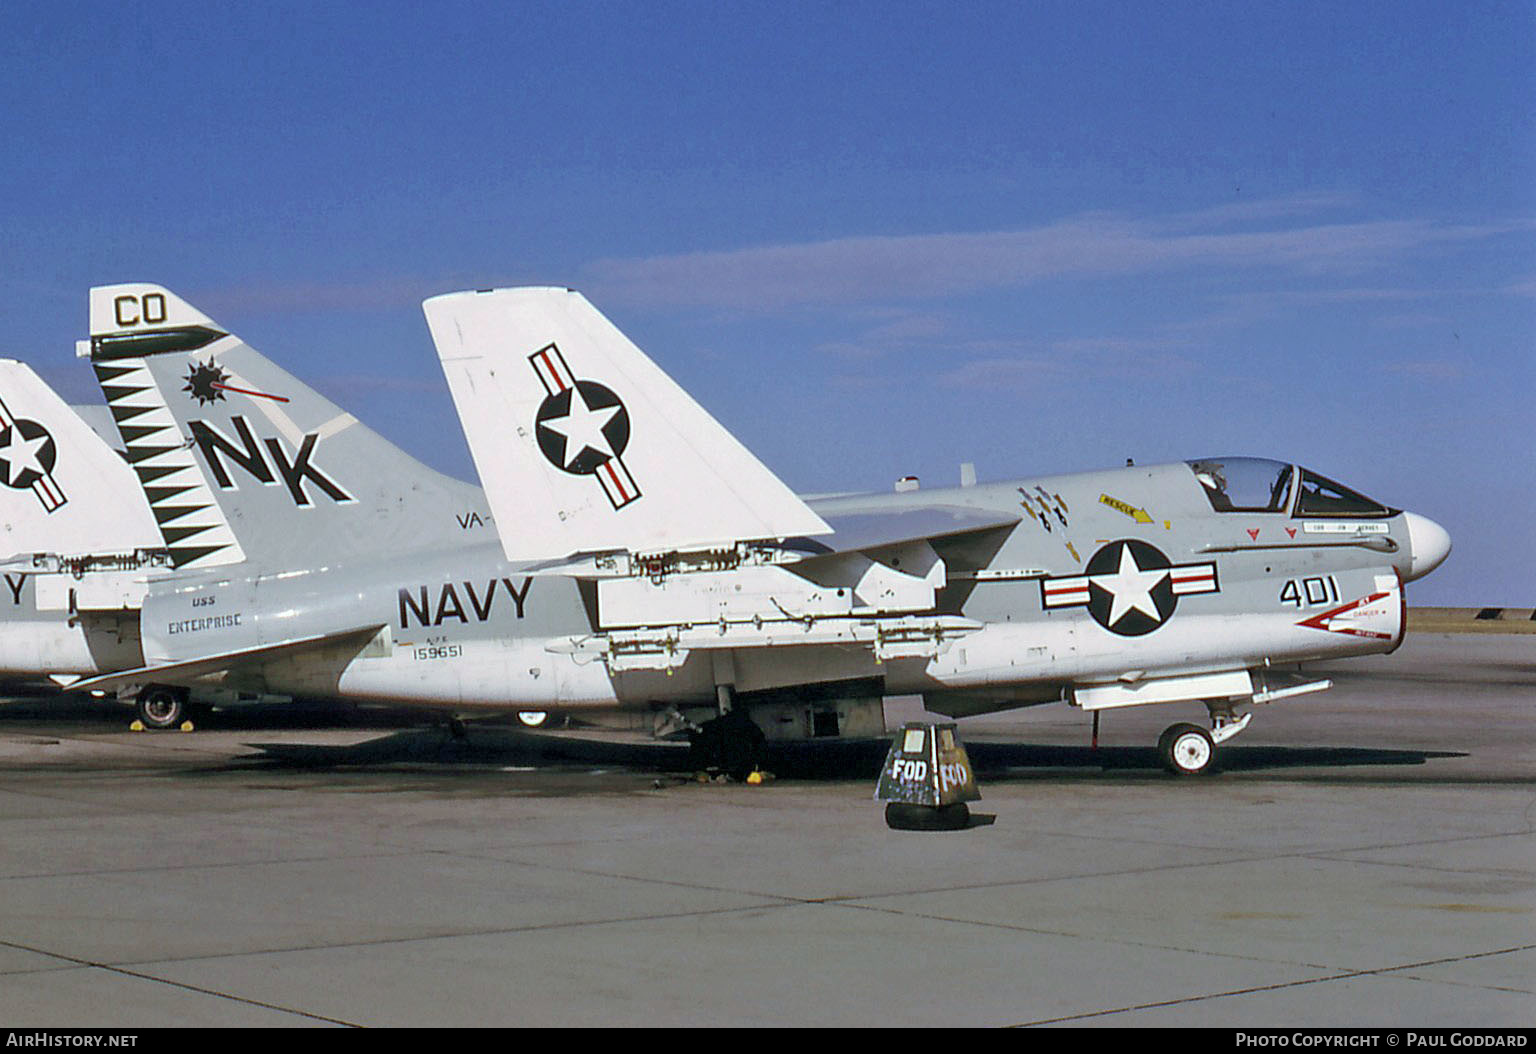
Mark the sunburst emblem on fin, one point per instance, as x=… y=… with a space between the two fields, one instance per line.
x=205 y=382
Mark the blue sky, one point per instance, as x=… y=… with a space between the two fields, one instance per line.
x=873 y=239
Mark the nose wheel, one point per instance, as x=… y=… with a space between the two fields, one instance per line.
x=1187 y=750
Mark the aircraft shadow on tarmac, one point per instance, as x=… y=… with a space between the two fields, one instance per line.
x=404 y=741
x=859 y=759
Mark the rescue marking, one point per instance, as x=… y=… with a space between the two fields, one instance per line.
x=1139 y=515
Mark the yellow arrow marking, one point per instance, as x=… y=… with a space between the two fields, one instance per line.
x=1139 y=515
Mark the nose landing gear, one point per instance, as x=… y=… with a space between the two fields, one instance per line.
x=1186 y=750
x=1189 y=750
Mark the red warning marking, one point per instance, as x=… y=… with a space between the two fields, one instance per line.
x=1291 y=531
x=247 y=391
x=1325 y=620
x=1253 y=532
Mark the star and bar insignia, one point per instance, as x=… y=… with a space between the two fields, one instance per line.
x=582 y=427
x=27 y=456
x=1130 y=588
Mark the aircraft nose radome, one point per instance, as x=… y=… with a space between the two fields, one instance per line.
x=1428 y=545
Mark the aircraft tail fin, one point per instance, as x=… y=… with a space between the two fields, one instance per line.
x=67 y=492
x=585 y=445
x=240 y=460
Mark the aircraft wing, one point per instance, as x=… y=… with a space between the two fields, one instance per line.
x=855 y=531
x=189 y=670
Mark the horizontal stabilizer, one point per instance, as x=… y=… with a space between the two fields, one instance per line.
x=192 y=670
x=583 y=444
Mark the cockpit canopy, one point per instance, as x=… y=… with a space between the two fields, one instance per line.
x=1256 y=484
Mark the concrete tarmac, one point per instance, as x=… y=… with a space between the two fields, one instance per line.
x=1365 y=858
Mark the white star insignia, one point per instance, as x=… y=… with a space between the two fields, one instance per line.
x=1131 y=588
x=22 y=455
x=583 y=428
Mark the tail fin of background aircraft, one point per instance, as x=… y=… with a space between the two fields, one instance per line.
x=585 y=445
x=66 y=491
x=239 y=460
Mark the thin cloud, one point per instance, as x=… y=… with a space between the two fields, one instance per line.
x=1006 y=374
x=857 y=270
x=1522 y=287
x=1429 y=370
x=900 y=331
x=1262 y=209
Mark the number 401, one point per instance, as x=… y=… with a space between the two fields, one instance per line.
x=1310 y=592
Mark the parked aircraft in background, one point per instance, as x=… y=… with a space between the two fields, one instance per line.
x=629 y=557
x=76 y=541
x=78 y=547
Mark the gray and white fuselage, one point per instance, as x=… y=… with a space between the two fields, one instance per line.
x=467 y=629
x=627 y=554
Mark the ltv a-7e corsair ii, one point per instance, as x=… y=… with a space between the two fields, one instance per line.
x=629 y=557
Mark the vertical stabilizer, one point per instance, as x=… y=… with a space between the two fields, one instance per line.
x=239 y=460
x=583 y=444
x=66 y=492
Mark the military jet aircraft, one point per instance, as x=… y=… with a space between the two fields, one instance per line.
x=629 y=558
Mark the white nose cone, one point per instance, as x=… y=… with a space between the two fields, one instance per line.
x=1428 y=545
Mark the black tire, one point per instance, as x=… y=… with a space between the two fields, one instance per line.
x=161 y=708
x=731 y=743
x=900 y=816
x=1187 y=750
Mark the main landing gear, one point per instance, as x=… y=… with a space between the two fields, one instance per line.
x=731 y=743
x=1189 y=750
x=161 y=708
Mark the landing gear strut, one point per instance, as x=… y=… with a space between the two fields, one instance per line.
x=731 y=743
x=1189 y=750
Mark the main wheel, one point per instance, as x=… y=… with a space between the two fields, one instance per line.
x=1187 y=750
x=161 y=708
x=731 y=743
